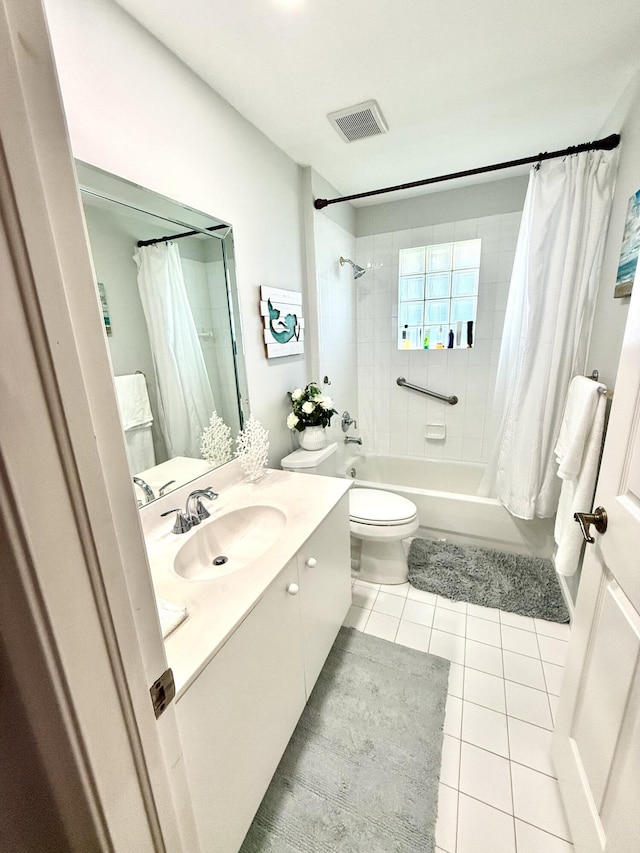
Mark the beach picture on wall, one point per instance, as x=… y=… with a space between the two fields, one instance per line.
x=281 y=312
x=630 y=248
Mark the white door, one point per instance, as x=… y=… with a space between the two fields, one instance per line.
x=596 y=746
x=76 y=665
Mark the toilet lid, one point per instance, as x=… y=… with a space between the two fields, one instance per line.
x=375 y=506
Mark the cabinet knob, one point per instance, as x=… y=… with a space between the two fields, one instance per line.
x=311 y=562
x=293 y=589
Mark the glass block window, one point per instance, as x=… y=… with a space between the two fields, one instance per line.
x=438 y=294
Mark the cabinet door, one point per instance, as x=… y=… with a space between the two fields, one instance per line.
x=237 y=717
x=324 y=568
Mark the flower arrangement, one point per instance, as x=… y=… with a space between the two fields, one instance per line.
x=310 y=408
x=216 y=442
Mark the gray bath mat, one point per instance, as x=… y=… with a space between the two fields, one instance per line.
x=513 y=582
x=361 y=771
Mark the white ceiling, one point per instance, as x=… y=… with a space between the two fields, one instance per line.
x=460 y=83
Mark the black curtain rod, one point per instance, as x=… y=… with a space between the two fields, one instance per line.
x=178 y=236
x=607 y=144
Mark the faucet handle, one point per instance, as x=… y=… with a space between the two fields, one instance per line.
x=201 y=511
x=166 y=486
x=182 y=523
x=347 y=420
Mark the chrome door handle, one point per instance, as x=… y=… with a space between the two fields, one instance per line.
x=598 y=518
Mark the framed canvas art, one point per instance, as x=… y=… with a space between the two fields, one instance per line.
x=281 y=312
x=630 y=248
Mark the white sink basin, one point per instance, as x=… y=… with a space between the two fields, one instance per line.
x=228 y=542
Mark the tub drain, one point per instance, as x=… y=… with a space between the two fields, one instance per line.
x=220 y=561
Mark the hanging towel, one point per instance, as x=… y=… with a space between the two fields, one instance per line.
x=139 y=446
x=133 y=401
x=136 y=419
x=578 y=454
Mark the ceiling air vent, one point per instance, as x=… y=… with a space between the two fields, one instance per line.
x=359 y=122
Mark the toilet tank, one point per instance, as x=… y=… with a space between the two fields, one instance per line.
x=322 y=461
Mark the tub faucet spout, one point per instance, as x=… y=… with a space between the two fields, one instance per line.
x=351 y=439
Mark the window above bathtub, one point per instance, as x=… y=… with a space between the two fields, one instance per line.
x=438 y=295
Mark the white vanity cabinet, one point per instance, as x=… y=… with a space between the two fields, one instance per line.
x=325 y=588
x=236 y=718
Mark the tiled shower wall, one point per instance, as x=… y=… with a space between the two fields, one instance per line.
x=394 y=419
x=337 y=318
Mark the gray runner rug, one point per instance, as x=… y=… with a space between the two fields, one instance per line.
x=514 y=582
x=361 y=771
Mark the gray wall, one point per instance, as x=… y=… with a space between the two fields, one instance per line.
x=503 y=195
x=611 y=314
x=133 y=109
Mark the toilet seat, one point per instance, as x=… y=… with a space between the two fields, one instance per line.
x=377 y=508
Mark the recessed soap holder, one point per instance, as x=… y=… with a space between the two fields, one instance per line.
x=436 y=432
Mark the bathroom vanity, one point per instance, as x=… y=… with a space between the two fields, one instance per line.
x=248 y=655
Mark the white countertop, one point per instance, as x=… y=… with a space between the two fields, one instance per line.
x=216 y=607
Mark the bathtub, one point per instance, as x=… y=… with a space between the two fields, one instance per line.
x=445 y=494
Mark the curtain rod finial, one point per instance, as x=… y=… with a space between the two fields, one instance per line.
x=319 y=203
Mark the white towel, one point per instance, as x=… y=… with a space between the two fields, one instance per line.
x=577 y=421
x=133 y=401
x=139 y=446
x=578 y=454
x=171 y=615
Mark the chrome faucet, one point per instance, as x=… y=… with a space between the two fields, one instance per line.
x=146 y=489
x=195 y=511
x=351 y=439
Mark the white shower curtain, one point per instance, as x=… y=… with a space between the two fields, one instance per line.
x=185 y=398
x=547 y=327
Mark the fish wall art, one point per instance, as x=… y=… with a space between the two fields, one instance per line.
x=281 y=312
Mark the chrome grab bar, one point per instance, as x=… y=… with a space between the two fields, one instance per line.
x=450 y=400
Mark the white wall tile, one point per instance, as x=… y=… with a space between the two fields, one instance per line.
x=469 y=431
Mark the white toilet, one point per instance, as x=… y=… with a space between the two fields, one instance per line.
x=379 y=520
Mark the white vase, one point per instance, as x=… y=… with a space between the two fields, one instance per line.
x=312 y=438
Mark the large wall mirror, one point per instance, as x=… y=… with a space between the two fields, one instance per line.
x=166 y=279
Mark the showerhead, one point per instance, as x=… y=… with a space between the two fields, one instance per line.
x=358 y=272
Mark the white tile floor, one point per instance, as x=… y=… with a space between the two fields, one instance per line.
x=498 y=792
